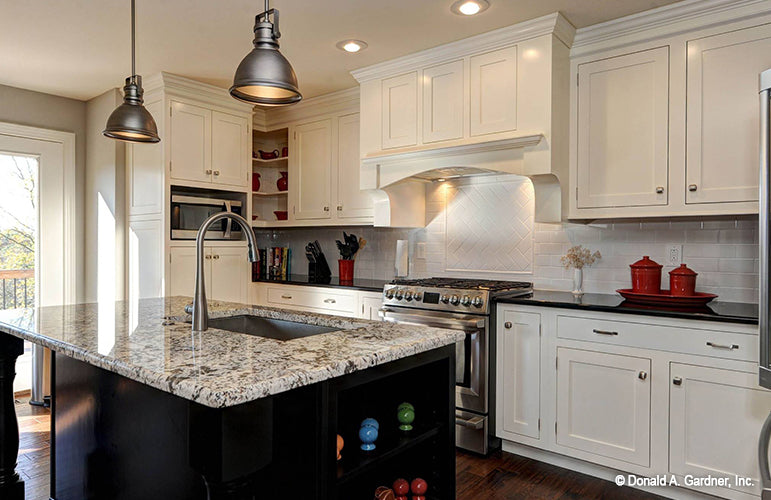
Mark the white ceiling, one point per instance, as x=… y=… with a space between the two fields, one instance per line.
x=80 y=48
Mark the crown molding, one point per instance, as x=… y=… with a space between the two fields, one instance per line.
x=555 y=24
x=187 y=87
x=342 y=101
x=666 y=21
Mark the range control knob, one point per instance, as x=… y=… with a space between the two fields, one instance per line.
x=408 y=295
x=477 y=302
x=399 y=294
x=454 y=300
x=389 y=293
x=445 y=299
x=466 y=300
x=417 y=296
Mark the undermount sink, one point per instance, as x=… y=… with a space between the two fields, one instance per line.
x=265 y=327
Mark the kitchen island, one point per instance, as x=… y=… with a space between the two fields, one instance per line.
x=143 y=407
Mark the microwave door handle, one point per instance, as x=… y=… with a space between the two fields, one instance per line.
x=228 y=221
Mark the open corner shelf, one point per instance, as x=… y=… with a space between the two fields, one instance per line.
x=356 y=462
x=269 y=193
x=273 y=160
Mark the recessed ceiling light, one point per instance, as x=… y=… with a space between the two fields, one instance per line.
x=351 y=46
x=469 y=7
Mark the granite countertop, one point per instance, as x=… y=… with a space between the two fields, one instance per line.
x=149 y=342
x=729 y=312
x=369 y=285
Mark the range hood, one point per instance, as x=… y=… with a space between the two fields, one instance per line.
x=397 y=182
x=401 y=152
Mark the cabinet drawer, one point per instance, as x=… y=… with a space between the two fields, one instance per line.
x=700 y=342
x=333 y=302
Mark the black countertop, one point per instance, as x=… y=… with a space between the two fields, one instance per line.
x=729 y=312
x=368 y=285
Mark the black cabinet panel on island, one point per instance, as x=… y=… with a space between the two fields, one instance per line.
x=114 y=438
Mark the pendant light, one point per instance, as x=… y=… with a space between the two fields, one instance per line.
x=131 y=121
x=265 y=77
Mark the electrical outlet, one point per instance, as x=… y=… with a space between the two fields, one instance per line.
x=674 y=255
x=420 y=250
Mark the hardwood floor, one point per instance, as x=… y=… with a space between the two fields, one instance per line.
x=502 y=476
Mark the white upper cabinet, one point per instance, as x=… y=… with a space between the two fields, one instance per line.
x=230 y=149
x=310 y=169
x=723 y=115
x=352 y=202
x=190 y=142
x=208 y=146
x=145 y=180
x=493 y=80
x=623 y=130
x=443 y=102
x=400 y=111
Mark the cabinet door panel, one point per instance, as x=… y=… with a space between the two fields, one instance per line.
x=230 y=149
x=190 y=137
x=352 y=202
x=715 y=419
x=370 y=305
x=145 y=168
x=400 y=111
x=603 y=404
x=623 y=130
x=311 y=166
x=182 y=271
x=723 y=118
x=146 y=265
x=443 y=102
x=519 y=369
x=230 y=274
x=493 y=81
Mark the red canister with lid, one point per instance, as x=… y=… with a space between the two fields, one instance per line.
x=646 y=276
x=682 y=281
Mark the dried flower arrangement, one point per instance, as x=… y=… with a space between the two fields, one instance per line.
x=579 y=257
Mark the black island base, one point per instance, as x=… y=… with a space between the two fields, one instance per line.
x=114 y=438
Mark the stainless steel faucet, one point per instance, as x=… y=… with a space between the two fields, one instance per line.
x=200 y=309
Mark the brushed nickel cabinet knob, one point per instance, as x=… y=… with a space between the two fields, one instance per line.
x=692 y=187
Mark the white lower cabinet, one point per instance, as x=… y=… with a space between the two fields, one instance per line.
x=227 y=272
x=714 y=422
x=603 y=404
x=370 y=304
x=318 y=299
x=519 y=368
x=641 y=395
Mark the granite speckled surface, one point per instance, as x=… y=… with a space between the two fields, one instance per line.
x=148 y=341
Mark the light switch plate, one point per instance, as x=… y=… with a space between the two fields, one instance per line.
x=420 y=250
x=674 y=254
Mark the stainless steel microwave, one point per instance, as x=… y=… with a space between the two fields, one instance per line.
x=189 y=211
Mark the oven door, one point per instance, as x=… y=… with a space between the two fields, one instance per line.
x=471 y=377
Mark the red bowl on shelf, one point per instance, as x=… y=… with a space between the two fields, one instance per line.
x=281 y=214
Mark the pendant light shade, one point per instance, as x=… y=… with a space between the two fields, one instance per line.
x=264 y=76
x=131 y=121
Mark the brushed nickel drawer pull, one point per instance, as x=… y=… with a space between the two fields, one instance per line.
x=507 y=325
x=677 y=381
x=642 y=375
x=286 y=296
x=330 y=301
x=730 y=347
x=604 y=332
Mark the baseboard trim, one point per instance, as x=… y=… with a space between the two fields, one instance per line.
x=598 y=471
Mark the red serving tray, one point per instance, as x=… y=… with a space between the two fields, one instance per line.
x=666 y=299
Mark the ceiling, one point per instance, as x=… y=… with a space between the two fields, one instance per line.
x=81 y=48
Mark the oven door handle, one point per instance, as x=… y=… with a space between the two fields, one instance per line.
x=471 y=423
x=228 y=221
x=467 y=325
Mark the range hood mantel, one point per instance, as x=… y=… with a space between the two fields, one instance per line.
x=397 y=180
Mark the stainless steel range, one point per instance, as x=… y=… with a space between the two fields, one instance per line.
x=459 y=304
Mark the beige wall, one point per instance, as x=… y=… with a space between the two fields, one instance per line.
x=47 y=111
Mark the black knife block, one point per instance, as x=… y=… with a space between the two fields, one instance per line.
x=318 y=272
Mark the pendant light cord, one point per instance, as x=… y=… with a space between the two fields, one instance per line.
x=133 y=41
x=267 y=5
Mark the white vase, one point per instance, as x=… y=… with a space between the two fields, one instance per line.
x=578 y=281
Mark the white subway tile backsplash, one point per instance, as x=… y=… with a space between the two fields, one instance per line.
x=723 y=250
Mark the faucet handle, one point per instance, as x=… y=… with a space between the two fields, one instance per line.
x=189 y=308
